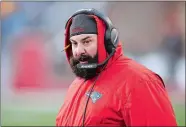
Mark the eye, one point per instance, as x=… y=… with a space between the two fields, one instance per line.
x=74 y=44
x=87 y=42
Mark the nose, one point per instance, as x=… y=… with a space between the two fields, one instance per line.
x=80 y=50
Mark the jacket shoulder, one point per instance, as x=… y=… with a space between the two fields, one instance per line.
x=136 y=72
x=144 y=97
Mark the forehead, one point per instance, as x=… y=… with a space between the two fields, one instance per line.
x=83 y=36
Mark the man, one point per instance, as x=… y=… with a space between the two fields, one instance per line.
x=110 y=89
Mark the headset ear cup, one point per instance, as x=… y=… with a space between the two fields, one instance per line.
x=109 y=47
x=107 y=42
x=114 y=37
x=111 y=40
x=107 y=35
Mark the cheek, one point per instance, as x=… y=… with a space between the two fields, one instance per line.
x=73 y=52
x=92 y=50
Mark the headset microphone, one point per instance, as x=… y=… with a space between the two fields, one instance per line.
x=95 y=65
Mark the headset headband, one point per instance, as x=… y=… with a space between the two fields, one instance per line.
x=106 y=20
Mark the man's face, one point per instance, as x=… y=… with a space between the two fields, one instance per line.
x=84 y=44
x=84 y=50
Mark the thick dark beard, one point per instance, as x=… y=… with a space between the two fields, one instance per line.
x=84 y=73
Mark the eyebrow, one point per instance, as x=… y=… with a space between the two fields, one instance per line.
x=85 y=38
x=81 y=39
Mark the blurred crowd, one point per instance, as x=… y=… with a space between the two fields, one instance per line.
x=32 y=35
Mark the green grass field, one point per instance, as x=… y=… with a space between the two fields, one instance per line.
x=180 y=114
x=36 y=117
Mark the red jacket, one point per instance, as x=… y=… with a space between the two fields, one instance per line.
x=125 y=94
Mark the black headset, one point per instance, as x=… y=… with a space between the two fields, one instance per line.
x=111 y=34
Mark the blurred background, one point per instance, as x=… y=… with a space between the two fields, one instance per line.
x=35 y=74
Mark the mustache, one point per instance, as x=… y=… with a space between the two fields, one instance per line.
x=83 y=58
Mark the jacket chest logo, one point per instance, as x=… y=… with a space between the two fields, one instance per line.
x=94 y=96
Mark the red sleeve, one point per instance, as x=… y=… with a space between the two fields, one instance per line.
x=148 y=104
